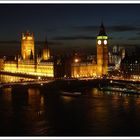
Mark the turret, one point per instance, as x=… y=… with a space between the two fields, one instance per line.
x=27 y=45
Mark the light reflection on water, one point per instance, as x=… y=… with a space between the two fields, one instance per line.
x=67 y=99
x=98 y=113
x=7 y=79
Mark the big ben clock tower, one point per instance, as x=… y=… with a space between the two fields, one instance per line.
x=102 y=52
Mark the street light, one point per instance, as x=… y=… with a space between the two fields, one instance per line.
x=76 y=60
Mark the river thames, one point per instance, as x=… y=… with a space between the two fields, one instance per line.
x=98 y=113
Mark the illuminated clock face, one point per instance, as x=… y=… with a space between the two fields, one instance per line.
x=99 y=42
x=105 y=42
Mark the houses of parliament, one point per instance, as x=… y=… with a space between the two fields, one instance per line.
x=30 y=63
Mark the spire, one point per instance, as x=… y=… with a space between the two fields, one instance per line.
x=102 y=30
x=31 y=55
x=46 y=43
x=27 y=33
x=46 y=51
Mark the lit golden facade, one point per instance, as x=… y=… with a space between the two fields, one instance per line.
x=68 y=68
x=27 y=46
x=27 y=65
x=29 y=68
x=102 y=52
x=80 y=69
x=83 y=70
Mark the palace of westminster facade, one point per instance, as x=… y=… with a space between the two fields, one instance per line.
x=29 y=63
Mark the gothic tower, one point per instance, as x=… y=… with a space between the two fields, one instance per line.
x=27 y=45
x=102 y=52
x=46 y=51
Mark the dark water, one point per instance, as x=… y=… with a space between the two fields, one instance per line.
x=37 y=112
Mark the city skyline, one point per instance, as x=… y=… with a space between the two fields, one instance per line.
x=68 y=26
x=69 y=70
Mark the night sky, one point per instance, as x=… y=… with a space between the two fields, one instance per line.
x=68 y=26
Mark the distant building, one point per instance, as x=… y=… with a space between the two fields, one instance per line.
x=130 y=66
x=116 y=55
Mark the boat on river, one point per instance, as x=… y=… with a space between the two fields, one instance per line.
x=65 y=93
x=120 y=89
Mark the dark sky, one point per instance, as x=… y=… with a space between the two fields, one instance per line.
x=69 y=26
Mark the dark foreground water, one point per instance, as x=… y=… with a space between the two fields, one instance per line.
x=36 y=113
